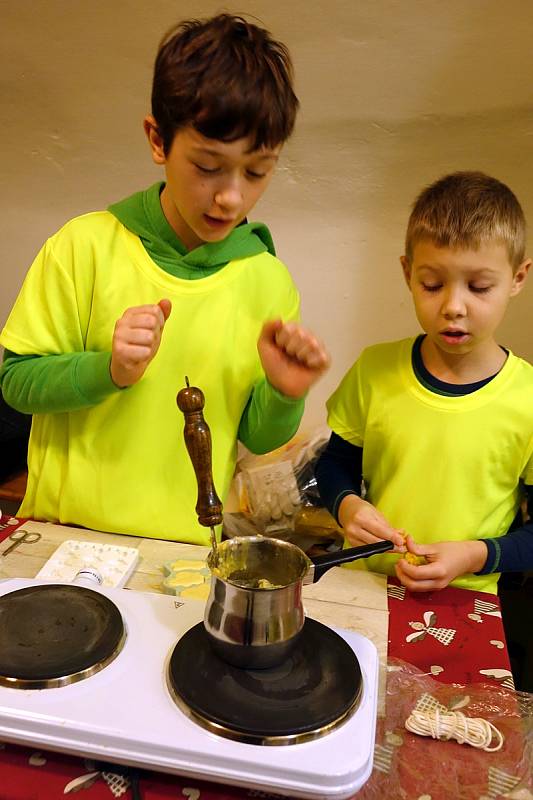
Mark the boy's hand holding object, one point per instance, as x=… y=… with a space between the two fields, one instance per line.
x=445 y=561
x=362 y=523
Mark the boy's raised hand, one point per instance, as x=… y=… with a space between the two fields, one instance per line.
x=136 y=340
x=292 y=357
x=446 y=561
x=362 y=523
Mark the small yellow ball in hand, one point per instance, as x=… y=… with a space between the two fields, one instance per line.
x=416 y=561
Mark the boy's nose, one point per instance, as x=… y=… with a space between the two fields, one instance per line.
x=453 y=305
x=229 y=196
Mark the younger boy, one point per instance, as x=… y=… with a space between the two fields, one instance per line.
x=440 y=427
x=121 y=305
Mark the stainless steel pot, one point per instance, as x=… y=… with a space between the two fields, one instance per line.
x=254 y=613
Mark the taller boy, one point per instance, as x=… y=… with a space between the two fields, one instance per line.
x=204 y=297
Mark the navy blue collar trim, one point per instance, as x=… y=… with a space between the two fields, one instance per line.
x=434 y=384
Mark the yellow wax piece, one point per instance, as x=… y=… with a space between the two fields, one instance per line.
x=417 y=561
x=184 y=578
x=183 y=563
x=200 y=592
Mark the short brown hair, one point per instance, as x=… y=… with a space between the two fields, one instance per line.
x=467 y=209
x=227 y=78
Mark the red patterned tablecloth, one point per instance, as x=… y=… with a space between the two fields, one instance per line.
x=450 y=637
x=448 y=648
x=8 y=525
x=454 y=634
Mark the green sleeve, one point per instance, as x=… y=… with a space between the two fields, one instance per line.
x=55 y=383
x=269 y=419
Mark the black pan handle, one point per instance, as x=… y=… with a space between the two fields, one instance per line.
x=323 y=563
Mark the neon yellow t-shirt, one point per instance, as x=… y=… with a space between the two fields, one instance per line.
x=122 y=465
x=442 y=468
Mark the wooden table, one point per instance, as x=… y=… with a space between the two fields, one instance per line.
x=365 y=594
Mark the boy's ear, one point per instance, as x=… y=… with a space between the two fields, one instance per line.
x=406 y=267
x=519 y=278
x=155 y=140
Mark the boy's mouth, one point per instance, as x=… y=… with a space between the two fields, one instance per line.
x=217 y=223
x=454 y=337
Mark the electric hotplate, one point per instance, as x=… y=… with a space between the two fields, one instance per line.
x=125 y=713
x=56 y=634
x=315 y=688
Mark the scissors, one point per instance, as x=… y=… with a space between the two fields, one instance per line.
x=20 y=537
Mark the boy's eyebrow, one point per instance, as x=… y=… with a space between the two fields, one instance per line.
x=267 y=156
x=489 y=271
x=263 y=156
x=430 y=267
x=484 y=271
x=211 y=151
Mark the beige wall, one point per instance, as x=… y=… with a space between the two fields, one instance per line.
x=394 y=93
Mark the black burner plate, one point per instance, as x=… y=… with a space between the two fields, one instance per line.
x=316 y=685
x=51 y=631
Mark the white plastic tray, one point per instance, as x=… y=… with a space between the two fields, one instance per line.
x=114 y=564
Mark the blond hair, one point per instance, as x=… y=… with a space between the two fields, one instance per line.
x=466 y=210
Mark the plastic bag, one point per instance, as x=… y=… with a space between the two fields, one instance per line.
x=412 y=767
x=277 y=495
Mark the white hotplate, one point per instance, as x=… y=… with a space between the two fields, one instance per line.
x=125 y=714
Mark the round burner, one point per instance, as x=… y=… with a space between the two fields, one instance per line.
x=313 y=691
x=56 y=634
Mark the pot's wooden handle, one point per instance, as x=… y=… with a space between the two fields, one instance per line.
x=197 y=435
